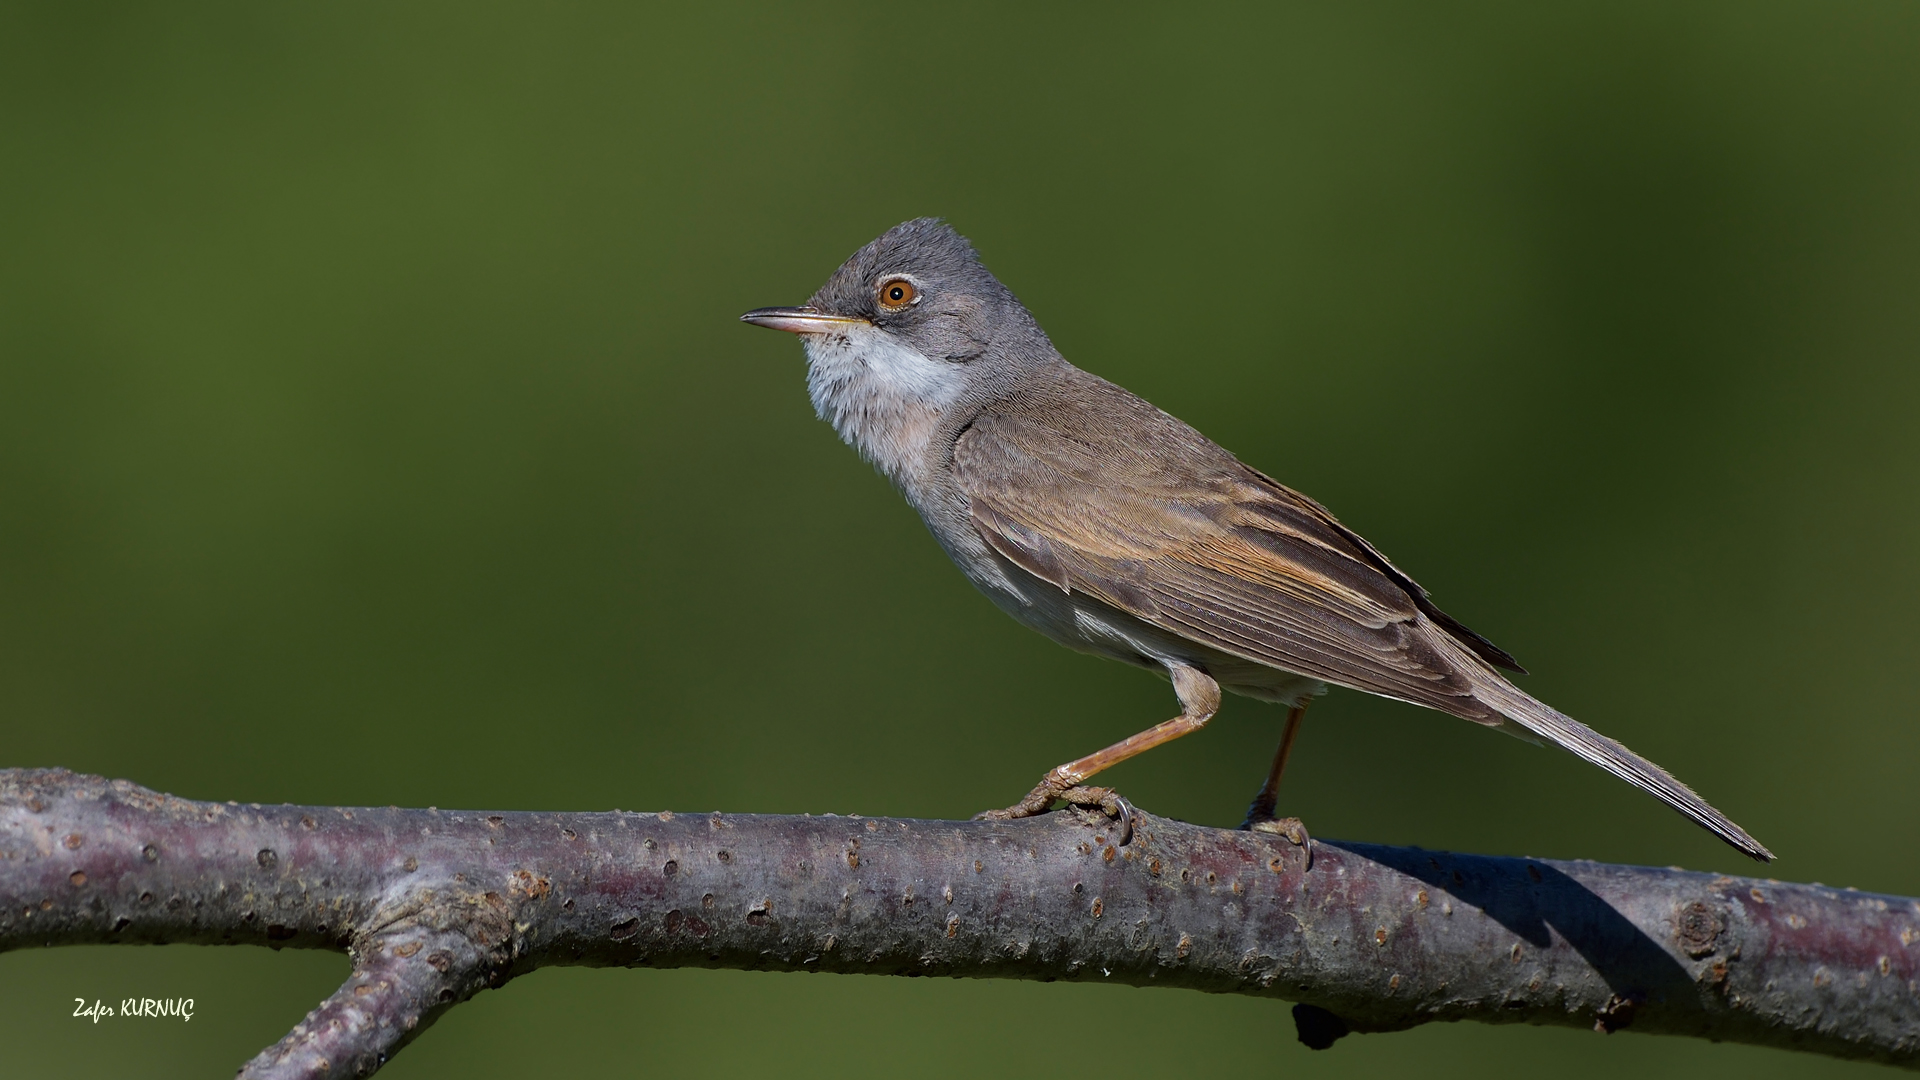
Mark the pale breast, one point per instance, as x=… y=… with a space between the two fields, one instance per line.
x=884 y=398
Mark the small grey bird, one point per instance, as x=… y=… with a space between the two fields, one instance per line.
x=1115 y=529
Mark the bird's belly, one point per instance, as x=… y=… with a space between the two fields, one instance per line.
x=1085 y=624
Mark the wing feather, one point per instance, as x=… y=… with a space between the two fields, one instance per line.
x=1218 y=554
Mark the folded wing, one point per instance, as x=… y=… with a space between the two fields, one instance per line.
x=1203 y=547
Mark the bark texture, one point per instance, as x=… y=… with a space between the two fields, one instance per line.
x=434 y=906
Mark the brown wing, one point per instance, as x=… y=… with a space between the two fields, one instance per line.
x=1173 y=530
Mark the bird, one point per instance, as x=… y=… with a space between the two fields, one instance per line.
x=1115 y=529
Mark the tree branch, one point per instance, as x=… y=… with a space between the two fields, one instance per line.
x=435 y=906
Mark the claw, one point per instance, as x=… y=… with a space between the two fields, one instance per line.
x=1052 y=787
x=1290 y=827
x=1110 y=802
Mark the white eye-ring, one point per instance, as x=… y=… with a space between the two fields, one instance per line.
x=897 y=293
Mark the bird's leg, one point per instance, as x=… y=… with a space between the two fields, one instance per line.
x=1199 y=700
x=1260 y=813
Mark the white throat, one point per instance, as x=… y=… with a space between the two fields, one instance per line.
x=884 y=398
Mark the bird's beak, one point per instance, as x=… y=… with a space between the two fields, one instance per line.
x=800 y=320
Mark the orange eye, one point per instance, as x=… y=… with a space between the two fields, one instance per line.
x=897 y=293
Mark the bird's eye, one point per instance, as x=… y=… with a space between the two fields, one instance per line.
x=896 y=293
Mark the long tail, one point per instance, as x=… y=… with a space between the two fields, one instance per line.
x=1570 y=734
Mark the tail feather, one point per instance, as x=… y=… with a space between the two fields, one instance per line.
x=1570 y=734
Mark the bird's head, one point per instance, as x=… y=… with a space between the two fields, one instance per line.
x=919 y=286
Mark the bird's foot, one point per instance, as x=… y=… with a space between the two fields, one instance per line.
x=1055 y=786
x=1050 y=787
x=1107 y=801
x=1290 y=827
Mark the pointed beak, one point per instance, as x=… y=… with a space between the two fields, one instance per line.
x=800 y=320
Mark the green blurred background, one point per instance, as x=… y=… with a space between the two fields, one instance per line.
x=375 y=428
